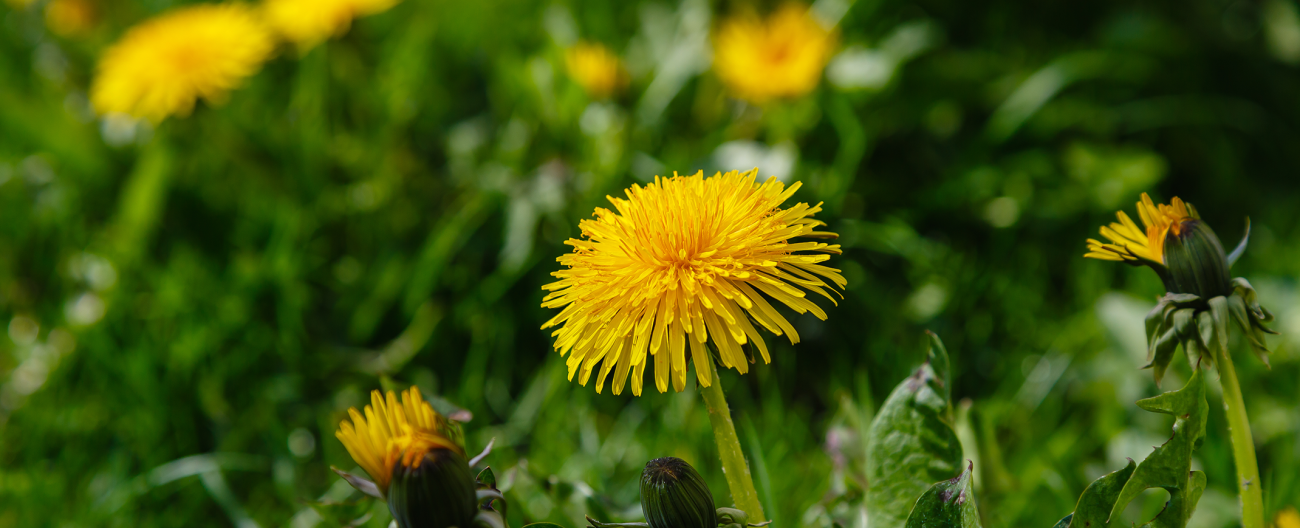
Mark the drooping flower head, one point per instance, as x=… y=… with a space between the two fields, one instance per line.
x=1200 y=296
x=307 y=23
x=597 y=69
x=781 y=57
x=681 y=262
x=392 y=433
x=162 y=66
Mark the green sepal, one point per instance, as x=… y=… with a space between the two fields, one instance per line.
x=1196 y=260
x=674 y=495
x=1241 y=246
x=440 y=493
x=911 y=443
x=947 y=504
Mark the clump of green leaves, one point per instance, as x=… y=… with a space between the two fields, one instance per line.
x=912 y=440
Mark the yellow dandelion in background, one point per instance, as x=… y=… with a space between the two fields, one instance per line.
x=1288 y=518
x=782 y=56
x=1130 y=243
x=69 y=18
x=682 y=260
x=390 y=432
x=597 y=69
x=162 y=66
x=308 y=22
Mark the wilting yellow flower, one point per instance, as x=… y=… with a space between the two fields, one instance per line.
x=70 y=17
x=1130 y=243
x=308 y=22
x=682 y=260
x=162 y=66
x=597 y=69
x=1288 y=518
x=390 y=432
x=782 y=56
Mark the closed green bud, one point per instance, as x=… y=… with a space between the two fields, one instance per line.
x=439 y=492
x=674 y=495
x=1196 y=261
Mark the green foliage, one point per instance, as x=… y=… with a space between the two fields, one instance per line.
x=911 y=443
x=947 y=504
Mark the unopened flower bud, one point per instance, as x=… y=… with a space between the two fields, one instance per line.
x=436 y=492
x=1196 y=261
x=674 y=495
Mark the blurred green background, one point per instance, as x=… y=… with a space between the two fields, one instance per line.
x=190 y=309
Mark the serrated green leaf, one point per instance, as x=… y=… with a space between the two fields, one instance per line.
x=1098 y=499
x=911 y=443
x=947 y=504
x=1170 y=465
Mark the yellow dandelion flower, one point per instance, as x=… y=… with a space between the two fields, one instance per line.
x=597 y=69
x=682 y=260
x=308 y=22
x=782 y=56
x=1288 y=518
x=69 y=18
x=390 y=432
x=1129 y=243
x=162 y=66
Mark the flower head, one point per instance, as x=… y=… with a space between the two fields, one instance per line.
x=679 y=261
x=674 y=495
x=308 y=22
x=1128 y=243
x=162 y=66
x=782 y=56
x=597 y=69
x=390 y=433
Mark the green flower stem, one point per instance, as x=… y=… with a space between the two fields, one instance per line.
x=733 y=459
x=1243 y=445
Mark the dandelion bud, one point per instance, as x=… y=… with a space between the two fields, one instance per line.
x=436 y=492
x=673 y=495
x=1196 y=261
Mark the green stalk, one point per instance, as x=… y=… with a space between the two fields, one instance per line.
x=1243 y=445
x=733 y=459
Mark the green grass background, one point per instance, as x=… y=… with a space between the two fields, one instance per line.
x=191 y=308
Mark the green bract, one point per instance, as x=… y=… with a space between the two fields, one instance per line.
x=674 y=495
x=440 y=493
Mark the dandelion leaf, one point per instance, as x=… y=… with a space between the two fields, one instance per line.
x=947 y=504
x=911 y=443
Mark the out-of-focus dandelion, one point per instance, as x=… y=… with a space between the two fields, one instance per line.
x=416 y=458
x=682 y=260
x=163 y=65
x=1200 y=304
x=1287 y=518
x=307 y=23
x=781 y=57
x=69 y=18
x=597 y=69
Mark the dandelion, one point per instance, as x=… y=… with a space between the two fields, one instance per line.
x=69 y=18
x=162 y=66
x=308 y=22
x=1200 y=304
x=682 y=260
x=781 y=57
x=597 y=69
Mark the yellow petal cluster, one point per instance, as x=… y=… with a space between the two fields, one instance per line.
x=783 y=56
x=162 y=66
x=1129 y=243
x=597 y=69
x=390 y=432
x=307 y=23
x=679 y=262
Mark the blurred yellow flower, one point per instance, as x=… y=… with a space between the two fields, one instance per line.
x=680 y=260
x=70 y=17
x=1288 y=518
x=1129 y=243
x=597 y=69
x=163 y=65
x=391 y=431
x=783 y=56
x=308 y=22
